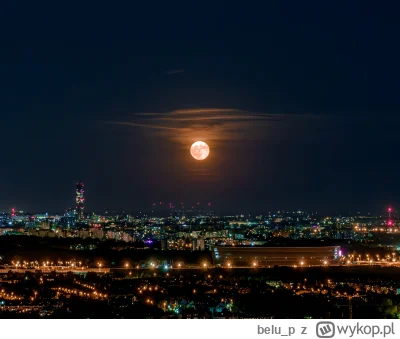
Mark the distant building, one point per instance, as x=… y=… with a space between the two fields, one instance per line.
x=69 y=217
x=5 y=218
x=97 y=233
x=83 y=234
x=79 y=200
x=178 y=244
x=198 y=244
x=164 y=244
x=271 y=256
x=11 y=230
x=44 y=224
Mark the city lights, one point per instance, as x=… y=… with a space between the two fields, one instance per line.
x=209 y=246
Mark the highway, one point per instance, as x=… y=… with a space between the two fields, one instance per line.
x=57 y=270
x=84 y=270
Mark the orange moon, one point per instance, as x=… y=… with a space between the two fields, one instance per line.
x=199 y=150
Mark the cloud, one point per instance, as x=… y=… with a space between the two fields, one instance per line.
x=192 y=111
x=229 y=118
x=143 y=125
x=204 y=111
x=220 y=113
x=216 y=125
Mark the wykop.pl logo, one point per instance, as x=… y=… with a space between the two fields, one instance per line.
x=325 y=329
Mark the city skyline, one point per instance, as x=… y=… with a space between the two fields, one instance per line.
x=166 y=207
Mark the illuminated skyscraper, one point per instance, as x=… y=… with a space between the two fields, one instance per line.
x=80 y=200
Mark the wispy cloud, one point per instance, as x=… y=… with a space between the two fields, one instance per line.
x=220 y=113
x=230 y=118
x=133 y=124
x=204 y=111
x=212 y=124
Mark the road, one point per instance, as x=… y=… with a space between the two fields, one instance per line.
x=103 y=270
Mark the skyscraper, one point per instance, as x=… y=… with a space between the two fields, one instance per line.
x=79 y=200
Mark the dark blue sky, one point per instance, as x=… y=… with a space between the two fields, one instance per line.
x=323 y=75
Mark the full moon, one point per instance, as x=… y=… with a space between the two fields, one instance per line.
x=199 y=150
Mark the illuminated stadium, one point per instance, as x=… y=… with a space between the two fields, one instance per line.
x=232 y=256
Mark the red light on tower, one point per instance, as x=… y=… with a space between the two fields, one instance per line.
x=389 y=209
x=390 y=223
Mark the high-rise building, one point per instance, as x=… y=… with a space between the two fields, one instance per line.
x=198 y=244
x=164 y=244
x=80 y=200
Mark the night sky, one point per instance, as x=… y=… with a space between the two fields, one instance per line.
x=298 y=101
